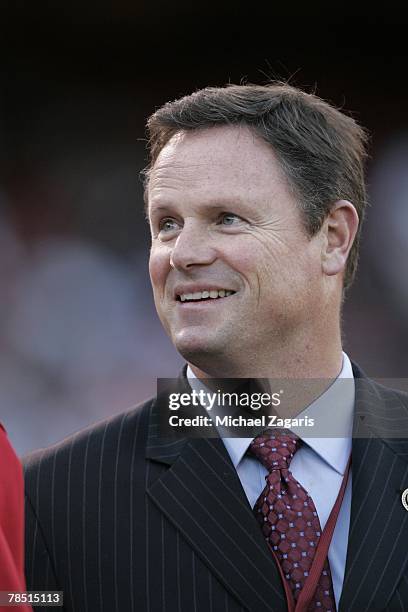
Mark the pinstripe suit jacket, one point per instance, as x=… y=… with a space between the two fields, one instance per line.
x=122 y=520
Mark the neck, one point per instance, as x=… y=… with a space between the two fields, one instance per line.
x=318 y=359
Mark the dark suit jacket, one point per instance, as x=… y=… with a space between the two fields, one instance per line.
x=123 y=520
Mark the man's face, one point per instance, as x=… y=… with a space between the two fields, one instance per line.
x=225 y=223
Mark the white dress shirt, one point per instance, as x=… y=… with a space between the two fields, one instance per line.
x=319 y=464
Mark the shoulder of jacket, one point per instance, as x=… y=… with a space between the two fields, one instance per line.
x=102 y=432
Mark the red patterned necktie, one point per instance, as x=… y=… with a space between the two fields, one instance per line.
x=288 y=517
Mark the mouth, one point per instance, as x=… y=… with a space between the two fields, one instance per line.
x=210 y=295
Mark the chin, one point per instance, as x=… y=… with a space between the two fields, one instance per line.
x=189 y=348
x=197 y=348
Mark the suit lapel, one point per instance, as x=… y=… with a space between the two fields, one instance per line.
x=200 y=493
x=378 y=536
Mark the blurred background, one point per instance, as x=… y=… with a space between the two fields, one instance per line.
x=79 y=338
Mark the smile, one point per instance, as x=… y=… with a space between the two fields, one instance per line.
x=211 y=294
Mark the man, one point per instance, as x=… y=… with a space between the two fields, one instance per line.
x=255 y=197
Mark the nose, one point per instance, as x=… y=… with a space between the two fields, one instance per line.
x=193 y=247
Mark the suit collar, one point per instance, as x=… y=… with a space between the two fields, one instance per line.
x=159 y=448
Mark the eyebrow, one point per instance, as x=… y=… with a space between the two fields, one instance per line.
x=221 y=204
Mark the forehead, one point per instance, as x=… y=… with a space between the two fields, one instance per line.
x=223 y=161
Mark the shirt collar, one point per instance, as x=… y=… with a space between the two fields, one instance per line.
x=334 y=411
x=337 y=400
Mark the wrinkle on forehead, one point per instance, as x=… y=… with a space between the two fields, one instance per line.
x=169 y=171
x=228 y=157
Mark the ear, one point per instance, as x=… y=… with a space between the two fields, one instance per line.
x=340 y=229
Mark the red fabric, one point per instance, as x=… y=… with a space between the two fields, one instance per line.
x=11 y=522
x=289 y=519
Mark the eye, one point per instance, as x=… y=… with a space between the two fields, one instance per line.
x=229 y=219
x=168 y=225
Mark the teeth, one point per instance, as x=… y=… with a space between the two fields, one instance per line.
x=202 y=295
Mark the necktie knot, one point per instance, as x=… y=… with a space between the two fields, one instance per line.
x=275 y=449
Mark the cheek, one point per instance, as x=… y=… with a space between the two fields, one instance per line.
x=159 y=266
x=241 y=257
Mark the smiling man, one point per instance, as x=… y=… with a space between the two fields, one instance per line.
x=255 y=197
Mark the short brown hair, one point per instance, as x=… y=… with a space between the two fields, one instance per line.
x=321 y=150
